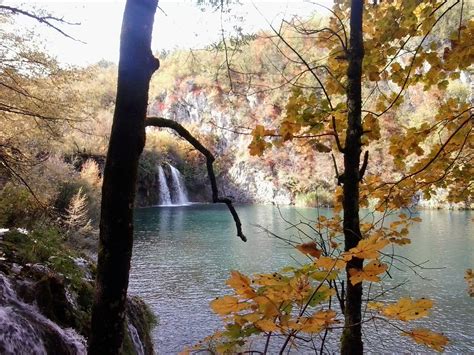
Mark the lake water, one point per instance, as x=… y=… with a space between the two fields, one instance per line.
x=183 y=256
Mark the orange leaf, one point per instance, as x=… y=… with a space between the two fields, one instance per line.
x=368 y=273
x=309 y=249
x=317 y=322
x=227 y=305
x=266 y=325
x=406 y=309
x=241 y=284
x=426 y=337
x=367 y=248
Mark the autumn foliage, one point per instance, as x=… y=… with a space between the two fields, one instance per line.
x=404 y=51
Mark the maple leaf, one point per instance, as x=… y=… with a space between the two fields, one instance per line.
x=309 y=249
x=241 y=284
x=367 y=248
x=426 y=337
x=266 y=306
x=257 y=146
x=288 y=129
x=368 y=273
x=314 y=324
x=328 y=263
x=274 y=279
x=406 y=309
x=251 y=317
x=266 y=325
x=227 y=305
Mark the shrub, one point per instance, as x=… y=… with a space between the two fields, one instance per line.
x=18 y=208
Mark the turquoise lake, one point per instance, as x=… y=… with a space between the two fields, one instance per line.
x=183 y=256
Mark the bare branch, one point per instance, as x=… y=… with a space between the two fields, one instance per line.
x=335 y=168
x=184 y=133
x=49 y=21
x=336 y=135
x=306 y=64
x=364 y=165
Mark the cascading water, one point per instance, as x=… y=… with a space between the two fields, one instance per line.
x=137 y=344
x=23 y=330
x=172 y=191
x=180 y=195
x=165 y=196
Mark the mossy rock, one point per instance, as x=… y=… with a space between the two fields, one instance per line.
x=143 y=319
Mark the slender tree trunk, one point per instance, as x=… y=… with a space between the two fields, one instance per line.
x=127 y=139
x=351 y=342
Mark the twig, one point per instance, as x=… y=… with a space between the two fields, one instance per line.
x=47 y=20
x=336 y=135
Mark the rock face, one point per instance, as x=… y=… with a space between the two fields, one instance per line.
x=261 y=186
x=43 y=311
x=24 y=329
x=238 y=176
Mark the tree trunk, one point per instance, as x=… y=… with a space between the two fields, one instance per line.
x=351 y=342
x=127 y=140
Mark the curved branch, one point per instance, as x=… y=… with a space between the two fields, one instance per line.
x=343 y=27
x=184 y=133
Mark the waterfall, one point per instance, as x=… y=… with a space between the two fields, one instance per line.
x=165 y=197
x=172 y=189
x=137 y=344
x=23 y=330
x=180 y=195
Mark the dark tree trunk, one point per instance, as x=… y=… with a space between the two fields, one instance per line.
x=351 y=342
x=127 y=139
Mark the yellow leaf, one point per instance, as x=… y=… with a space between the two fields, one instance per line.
x=371 y=125
x=274 y=279
x=367 y=248
x=406 y=309
x=400 y=241
x=309 y=249
x=318 y=321
x=426 y=337
x=368 y=273
x=328 y=263
x=241 y=284
x=266 y=307
x=376 y=306
x=288 y=129
x=252 y=317
x=266 y=325
x=324 y=275
x=258 y=131
x=227 y=305
x=257 y=146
